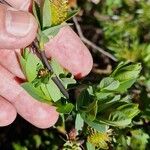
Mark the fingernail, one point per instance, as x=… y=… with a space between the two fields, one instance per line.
x=18 y=23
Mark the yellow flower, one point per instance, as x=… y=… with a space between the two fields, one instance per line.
x=99 y=140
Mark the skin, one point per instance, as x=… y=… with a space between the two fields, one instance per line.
x=18 y=29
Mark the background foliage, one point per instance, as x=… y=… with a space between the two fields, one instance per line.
x=112 y=104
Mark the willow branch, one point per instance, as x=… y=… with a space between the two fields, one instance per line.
x=55 y=79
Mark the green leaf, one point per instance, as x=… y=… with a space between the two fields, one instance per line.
x=26 y=53
x=122 y=143
x=106 y=87
x=101 y=127
x=23 y=64
x=119 y=114
x=71 y=14
x=18 y=146
x=35 y=92
x=37 y=13
x=108 y=103
x=37 y=140
x=90 y=146
x=42 y=38
x=126 y=74
x=87 y=106
x=68 y=81
x=46 y=14
x=83 y=101
x=57 y=68
x=126 y=71
x=53 y=31
x=109 y=84
x=54 y=91
x=65 y=108
x=32 y=65
x=102 y=95
x=91 y=111
x=23 y=59
x=139 y=139
x=79 y=123
x=45 y=91
x=125 y=85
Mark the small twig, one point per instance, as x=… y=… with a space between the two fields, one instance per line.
x=50 y=69
x=45 y=61
x=85 y=40
x=60 y=86
x=55 y=78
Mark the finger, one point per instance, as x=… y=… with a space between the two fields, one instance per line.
x=7 y=112
x=19 y=4
x=18 y=29
x=66 y=47
x=10 y=61
x=39 y=114
x=70 y=52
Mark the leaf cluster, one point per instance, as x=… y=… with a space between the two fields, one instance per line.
x=106 y=103
x=40 y=84
x=124 y=26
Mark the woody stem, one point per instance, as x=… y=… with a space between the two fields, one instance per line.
x=55 y=78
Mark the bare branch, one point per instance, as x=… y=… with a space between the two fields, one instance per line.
x=88 y=42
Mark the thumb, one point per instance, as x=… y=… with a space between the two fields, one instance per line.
x=17 y=28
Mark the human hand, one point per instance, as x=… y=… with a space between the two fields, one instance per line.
x=17 y=30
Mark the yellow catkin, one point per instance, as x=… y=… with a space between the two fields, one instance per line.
x=59 y=9
x=99 y=140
